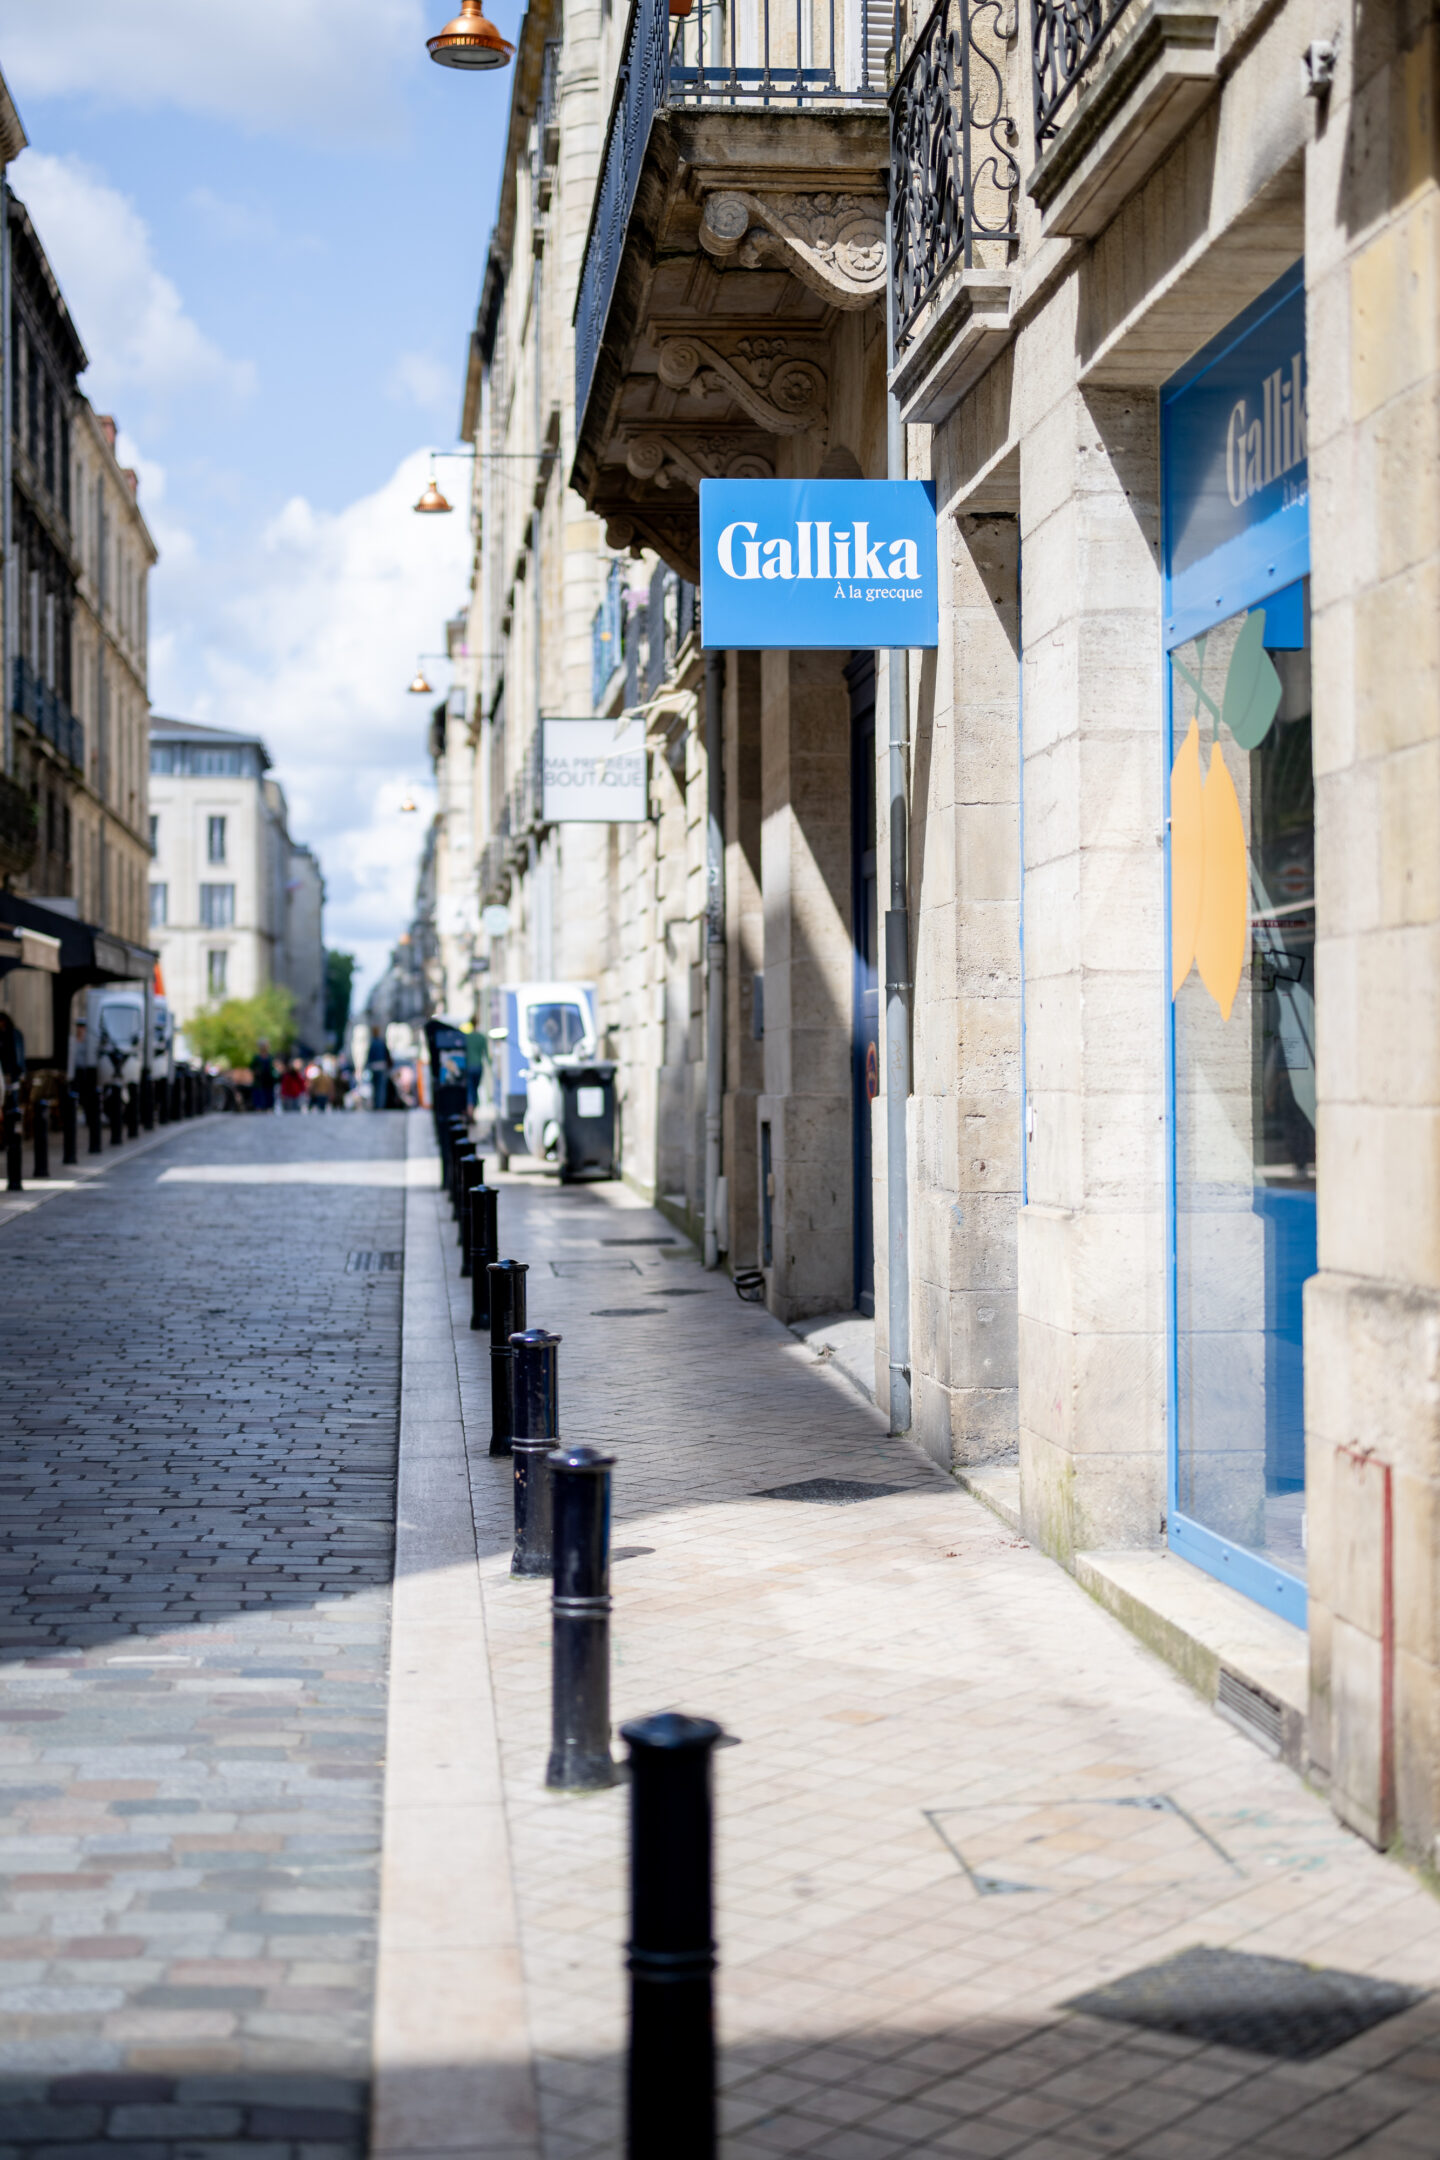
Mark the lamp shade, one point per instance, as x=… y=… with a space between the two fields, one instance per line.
x=432 y=499
x=419 y=687
x=470 y=41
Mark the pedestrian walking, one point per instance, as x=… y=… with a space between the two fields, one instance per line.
x=377 y=1059
x=292 y=1086
x=476 y=1051
x=320 y=1086
x=262 y=1077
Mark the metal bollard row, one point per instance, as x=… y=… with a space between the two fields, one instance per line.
x=562 y=1514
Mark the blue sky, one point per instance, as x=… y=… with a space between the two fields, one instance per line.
x=271 y=235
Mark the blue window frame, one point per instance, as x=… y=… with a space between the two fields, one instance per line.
x=1240 y=1080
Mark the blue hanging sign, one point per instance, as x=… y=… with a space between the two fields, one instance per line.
x=800 y=564
x=1236 y=465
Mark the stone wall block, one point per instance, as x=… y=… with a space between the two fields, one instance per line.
x=1054 y=1038
x=1052 y=681
x=979 y=1229
x=1056 y=1154
x=986 y=947
x=1122 y=1041
x=1357 y=1789
x=1395 y=1153
x=982 y=1424
x=983 y=1331
x=1347 y=854
x=1409 y=866
x=987 y=1129
x=1053 y=925
x=989 y=1042
x=1397 y=661
x=1119 y=791
x=1052 y=802
x=1121 y=913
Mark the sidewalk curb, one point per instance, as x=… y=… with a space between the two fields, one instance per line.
x=453 y=2070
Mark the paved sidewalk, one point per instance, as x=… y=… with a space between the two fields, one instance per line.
x=962 y=1794
x=197 y=1458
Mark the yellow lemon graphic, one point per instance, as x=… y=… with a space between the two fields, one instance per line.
x=1187 y=855
x=1224 y=889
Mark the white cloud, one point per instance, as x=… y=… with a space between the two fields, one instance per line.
x=419 y=379
x=309 y=639
x=130 y=316
x=327 y=67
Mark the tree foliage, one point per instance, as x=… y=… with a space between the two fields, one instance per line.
x=339 y=977
x=230 y=1035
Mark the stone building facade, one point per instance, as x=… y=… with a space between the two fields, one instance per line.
x=1156 y=314
x=235 y=903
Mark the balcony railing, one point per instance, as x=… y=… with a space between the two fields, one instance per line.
x=48 y=713
x=954 y=176
x=756 y=54
x=1066 y=36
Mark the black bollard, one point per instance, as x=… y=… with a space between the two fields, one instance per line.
x=448 y=1132
x=507 y=1318
x=14 y=1161
x=462 y=1152
x=116 y=1108
x=670 y=2082
x=484 y=1247
x=69 y=1127
x=132 y=1112
x=537 y=1431
x=580 y=1623
x=92 y=1118
x=40 y=1115
x=147 y=1100
x=472 y=1176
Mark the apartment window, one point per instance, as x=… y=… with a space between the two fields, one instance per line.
x=215 y=839
x=216 y=964
x=159 y=906
x=154 y=833
x=217 y=906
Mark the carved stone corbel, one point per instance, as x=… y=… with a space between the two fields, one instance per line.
x=784 y=394
x=665 y=458
x=835 y=244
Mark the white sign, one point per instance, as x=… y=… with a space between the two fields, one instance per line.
x=595 y=772
x=496 y=919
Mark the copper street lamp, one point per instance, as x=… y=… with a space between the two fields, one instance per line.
x=470 y=41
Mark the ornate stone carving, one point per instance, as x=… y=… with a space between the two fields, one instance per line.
x=784 y=394
x=664 y=458
x=834 y=243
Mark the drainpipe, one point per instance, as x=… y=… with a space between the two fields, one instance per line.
x=542 y=896
x=714 y=943
x=7 y=479
x=897 y=944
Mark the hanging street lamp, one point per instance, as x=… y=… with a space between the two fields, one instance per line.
x=470 y=41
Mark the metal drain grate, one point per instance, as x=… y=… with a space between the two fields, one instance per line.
x=373 y=1263
x=828 y=1491
x=1257 y=1714
x=626 y=1312
x=1268 y=2006
x=638 y=1241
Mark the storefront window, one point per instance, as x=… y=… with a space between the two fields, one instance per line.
x=1243 y=968
x=1235 y=459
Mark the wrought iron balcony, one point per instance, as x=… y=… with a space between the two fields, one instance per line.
x=1066 y=36
x=744 y=56
x=48 y=713
x=954 y=176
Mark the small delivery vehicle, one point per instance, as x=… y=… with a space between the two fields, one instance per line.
x=553 y=1096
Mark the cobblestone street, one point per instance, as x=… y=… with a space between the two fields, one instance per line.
x=198 y=1475
x=961 y=1795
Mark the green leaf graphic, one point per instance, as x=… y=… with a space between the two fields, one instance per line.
x=1252 y=687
